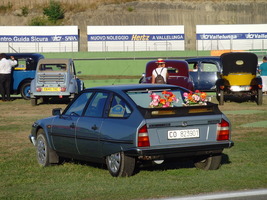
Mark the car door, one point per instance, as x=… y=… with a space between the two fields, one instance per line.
x=118 y=130
x=208 y=74
x=88 y=128
x=204 y=74
x=64 y=126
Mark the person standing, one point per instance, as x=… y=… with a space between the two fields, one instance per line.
x=160 y=74
x=5 y=75
x=263 y=73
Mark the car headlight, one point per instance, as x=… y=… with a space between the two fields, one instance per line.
x=35 y=124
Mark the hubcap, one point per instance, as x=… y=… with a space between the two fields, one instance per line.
x=114 y=161
x=41 y=151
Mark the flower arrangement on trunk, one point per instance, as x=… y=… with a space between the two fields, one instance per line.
x=164 y=101
x=196 y=98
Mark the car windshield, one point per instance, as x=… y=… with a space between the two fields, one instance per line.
x=159 y=98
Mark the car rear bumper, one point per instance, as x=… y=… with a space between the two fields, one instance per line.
x=180 y=150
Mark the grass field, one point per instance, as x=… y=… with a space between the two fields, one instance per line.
x=243 y=166
x=103 y=64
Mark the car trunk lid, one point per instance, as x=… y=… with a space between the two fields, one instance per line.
x=182 y=125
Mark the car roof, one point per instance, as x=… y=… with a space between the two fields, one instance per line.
x=239 y=62
x=133 y=87
x=54 y=60
x=34 y=56
x=213 y=58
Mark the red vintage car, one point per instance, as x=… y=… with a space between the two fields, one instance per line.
x=178 y=71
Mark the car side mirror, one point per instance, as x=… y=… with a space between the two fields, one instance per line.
x=56 y=111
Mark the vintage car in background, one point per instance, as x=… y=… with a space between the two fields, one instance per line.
x=238 y=78
x=24 y=72
x=178 y=73
x=204 y=72
x=125 y=126
x=55 y=78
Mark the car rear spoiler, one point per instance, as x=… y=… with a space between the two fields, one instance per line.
x=194 y=110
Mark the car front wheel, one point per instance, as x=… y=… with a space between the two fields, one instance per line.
x=208 y=163
x=45 y=155
x=42 y=150
x=120 y=165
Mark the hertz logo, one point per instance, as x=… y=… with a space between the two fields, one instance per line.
x=140 y=37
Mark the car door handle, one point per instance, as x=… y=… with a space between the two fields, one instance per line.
x=72 y=125
x=94 y=127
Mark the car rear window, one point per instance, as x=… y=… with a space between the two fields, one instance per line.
x=52 y=67
x=160 y=98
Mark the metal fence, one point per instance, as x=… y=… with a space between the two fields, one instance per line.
x=39 y=47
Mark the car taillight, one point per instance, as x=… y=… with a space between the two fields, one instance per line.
x=63 y=89
x=223 y=130
x=143 y=139
x=38 y=89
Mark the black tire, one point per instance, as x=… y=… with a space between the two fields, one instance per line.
x=45 y=155
x=208 y=163
x=120 y=165
x=42 y=149
x=25 y=90
x=259 y=97
x=34 y=102
x=45 y=99
x=221 y=97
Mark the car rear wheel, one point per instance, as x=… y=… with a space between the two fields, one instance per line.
x=141 y=80
x=25 y=90
x=34 y=102
x=208 y=163
x=120 y=165
x=221 y=97
x=259 y=97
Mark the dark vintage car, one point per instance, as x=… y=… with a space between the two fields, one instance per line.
x=178 y=73
x=127 y=125
x=204 y=72
x=238 y=78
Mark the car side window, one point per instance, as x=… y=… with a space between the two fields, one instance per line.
x=193 y=67
x=209 y=67
x=96 y=105
x=119 y=108
x=77 y=107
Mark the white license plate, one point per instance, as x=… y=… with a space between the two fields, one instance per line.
x=240 y=88
x=183 y=134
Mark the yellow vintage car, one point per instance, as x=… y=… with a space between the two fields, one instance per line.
x=238 y=79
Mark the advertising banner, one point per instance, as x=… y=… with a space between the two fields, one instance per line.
x=39 y=39
x=231 y=37
x=135 y=38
